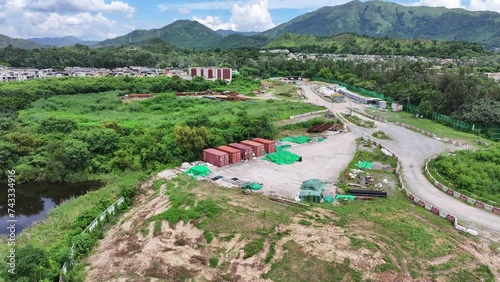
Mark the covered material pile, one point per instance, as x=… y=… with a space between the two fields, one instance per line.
x=251 y=185
x=282 y=157
x=312 y=190
x=297 y=139
x=198 y=171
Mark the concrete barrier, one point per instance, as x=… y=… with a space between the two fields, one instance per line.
x=462 y=197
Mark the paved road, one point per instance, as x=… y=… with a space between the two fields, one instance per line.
x=413 y=149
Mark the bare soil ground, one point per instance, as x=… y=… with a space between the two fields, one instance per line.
x=138 y=249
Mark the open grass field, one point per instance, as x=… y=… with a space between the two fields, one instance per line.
x=162 y=110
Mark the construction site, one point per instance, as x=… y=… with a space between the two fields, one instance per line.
x=326 y=198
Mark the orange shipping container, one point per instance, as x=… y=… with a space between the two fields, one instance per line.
x=257 y=148
x=234 y=154
x=269 y=146
x=216 y=157
x=246 y=151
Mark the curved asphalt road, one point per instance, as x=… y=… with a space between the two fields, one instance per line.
x=413 y=149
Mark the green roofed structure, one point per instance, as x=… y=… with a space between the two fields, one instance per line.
x=312 y=190
x=198 y=171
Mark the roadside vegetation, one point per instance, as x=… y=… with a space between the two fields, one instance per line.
x=473 y=173
x=381 y=135
x=359 y=121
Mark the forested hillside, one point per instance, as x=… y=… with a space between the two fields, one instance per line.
x=355 y=44
x=377 y=18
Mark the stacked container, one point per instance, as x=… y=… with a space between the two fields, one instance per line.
x=234 y=154
x=269 y=146
x=216 y=157
x=257 y=148
x=246 y=151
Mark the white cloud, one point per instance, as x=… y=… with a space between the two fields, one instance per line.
x=214 y=23
x=252 y=17
x=79 y=6
x=485 y=5
x=183 y=11
x=248 y=17
x=439 y=3
x=17 y=20
x=273 y=4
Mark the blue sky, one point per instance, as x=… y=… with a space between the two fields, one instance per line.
x=101 y=19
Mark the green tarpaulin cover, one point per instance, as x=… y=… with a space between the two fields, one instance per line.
x=251 y=185
x=329 y=199
x=312 y=189
x=198 y=171
x=367 y=165
x=345 y=197
x=282 y=147
x=296 y=139
x=320 y=139
x=282 y=157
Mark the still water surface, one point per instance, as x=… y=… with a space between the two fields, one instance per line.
x=34 y=200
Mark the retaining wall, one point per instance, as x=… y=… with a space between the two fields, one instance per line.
x=463 y=198
x=434 y=209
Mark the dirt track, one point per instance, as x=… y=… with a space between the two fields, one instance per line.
x=413 y=149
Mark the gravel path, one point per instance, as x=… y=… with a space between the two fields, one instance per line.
x=413 y=149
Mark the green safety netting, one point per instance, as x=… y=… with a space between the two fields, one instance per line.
x=198 y=171
x=252 y=185
x=312 y=189
x=282 y=157
x=320 y=139
x=367 y=165
x=297 y=139
x=345 y=197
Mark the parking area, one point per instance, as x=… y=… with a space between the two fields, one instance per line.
x=321 y=160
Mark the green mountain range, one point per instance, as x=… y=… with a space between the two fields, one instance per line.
x=17 y=42
x=181 y=33
x=375 y=19
x=62 y=41
x=379 y=19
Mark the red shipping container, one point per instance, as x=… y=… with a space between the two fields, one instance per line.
x=216 y=157
x=226 y=73
x=234 y=154
x=269 y=146
x=257 y=148
x=246 y=151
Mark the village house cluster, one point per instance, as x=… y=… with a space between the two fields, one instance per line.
x=8 y=74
